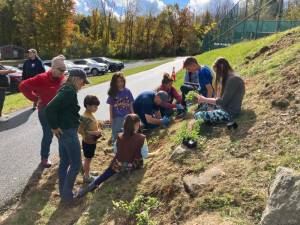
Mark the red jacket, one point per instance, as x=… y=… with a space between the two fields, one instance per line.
x=172 y=94
x=41 y=88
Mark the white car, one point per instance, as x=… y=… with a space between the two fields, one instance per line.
x=70 y=65
x=95 y=67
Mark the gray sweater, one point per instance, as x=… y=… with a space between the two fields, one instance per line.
x=231 y=100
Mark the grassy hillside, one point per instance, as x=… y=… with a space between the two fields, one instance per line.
x=268 y=136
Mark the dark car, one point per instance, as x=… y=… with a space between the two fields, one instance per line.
x=15 y=78
x=113 y=65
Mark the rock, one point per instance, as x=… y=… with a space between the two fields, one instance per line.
x=280 y=103
x=179 y=153
x=283 y=205
x=194 y=183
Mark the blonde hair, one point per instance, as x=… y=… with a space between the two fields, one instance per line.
x=73 y=81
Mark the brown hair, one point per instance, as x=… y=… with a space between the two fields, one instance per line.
x=166 y=79
x=190 y=61
x=91 y=100
x=223 y=69
x=113 y=90
x=129 y=124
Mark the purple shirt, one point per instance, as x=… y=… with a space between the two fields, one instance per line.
x=122 y=103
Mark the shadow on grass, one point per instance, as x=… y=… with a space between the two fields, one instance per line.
x=33 y=199
x=120 y=187
x=245 y=121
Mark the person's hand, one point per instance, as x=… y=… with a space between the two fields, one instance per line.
x=179 y=107
x=201 y=99
x=11 y=71
x=95 y=133
x=165 y=121
x=57 y=132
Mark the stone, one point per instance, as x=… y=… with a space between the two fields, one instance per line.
x=283 y=205
x=179 y=153
x=194 y=183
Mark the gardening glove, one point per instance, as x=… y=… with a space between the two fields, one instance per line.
x=179 y=107
x=165 y=121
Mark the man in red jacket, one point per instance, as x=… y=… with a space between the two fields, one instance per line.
x=42 y=89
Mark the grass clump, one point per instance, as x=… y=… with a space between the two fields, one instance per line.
x=211 y=202
x=138 y=210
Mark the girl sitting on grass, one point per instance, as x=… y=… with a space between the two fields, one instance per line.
x=120 y=100
x=130 y=147
x=230 y=89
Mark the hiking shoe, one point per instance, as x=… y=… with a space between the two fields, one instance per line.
x=46 y=163
x=83 y=191
x=88 y=179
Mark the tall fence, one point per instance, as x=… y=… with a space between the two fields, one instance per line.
x=252 y=19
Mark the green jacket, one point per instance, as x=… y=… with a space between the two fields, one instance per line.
x=63 y=110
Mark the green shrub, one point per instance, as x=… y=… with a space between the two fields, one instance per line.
x=138 y=209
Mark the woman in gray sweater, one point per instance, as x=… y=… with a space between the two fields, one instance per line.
x=230 y=93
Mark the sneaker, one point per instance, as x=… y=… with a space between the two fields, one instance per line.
x=88 y=179
x=83 y=191
x=46 y=163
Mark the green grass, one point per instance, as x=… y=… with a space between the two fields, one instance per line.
x=17 y=101
x=237 y=53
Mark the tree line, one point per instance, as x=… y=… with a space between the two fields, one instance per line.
x=54 y=27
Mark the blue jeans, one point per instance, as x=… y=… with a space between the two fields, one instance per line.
x=70 y=162
x=47 y=134
x=107 y=174
x=117 y=127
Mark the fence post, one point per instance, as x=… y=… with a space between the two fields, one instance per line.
x=258 y=18
x=246 y=14
x=279 y=15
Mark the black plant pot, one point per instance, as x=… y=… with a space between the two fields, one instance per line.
x=190 y=143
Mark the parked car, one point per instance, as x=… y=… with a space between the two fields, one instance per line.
x=15 y=78
x=113 y=65
x=95 y=67
x=20 y=67
x=71 y=65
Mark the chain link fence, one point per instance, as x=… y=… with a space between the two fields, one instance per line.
x=252 y=19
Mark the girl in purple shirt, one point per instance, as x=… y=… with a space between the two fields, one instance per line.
x=120 y=100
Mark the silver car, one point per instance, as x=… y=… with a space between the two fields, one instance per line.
x=95 y=67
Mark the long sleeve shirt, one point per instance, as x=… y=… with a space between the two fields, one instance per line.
x=42 y=87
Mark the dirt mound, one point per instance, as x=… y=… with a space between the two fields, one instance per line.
x=284 y=42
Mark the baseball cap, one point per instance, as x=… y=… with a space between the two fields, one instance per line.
x=32 y=50
x=79 y=73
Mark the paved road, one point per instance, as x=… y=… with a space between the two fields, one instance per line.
x=134 y=64
x=20 y=136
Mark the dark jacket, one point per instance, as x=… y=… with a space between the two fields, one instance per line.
x=32 y=68
x=63 y=111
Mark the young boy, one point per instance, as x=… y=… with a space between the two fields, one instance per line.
x=90 y=132
x=197 y=78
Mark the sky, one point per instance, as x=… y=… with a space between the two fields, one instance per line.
x=156 y=6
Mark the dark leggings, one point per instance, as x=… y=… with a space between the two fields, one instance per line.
x=2 y=98
x=109 y=172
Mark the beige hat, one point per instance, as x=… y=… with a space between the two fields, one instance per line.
x=58 y=63
x=32 y=50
